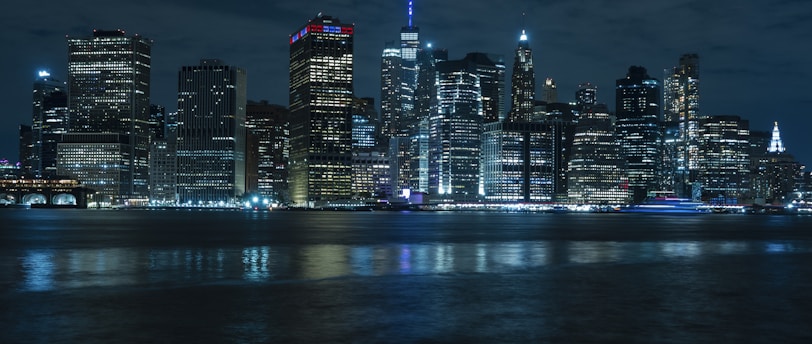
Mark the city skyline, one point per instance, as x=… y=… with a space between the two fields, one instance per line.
x=749 y=63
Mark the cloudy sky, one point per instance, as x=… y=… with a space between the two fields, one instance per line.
x=754 y=55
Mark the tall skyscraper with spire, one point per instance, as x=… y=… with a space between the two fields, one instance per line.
x=321 y=96
x=523 y=83
x=409 y=45
x=776 y=174
x=776 y=145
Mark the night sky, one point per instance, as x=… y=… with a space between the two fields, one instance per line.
x=754 y=58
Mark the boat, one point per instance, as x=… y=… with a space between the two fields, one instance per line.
x=668 y=205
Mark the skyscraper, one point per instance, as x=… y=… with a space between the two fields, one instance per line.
x=587 y=95
x=269 y=125
x=454 y=131
x=49 y=122
x=491 y=71
x=597 y=167
x=638 y=129
x=391 y=75
x=550 y=91
x=519 y=153
x=724 y=159
x=163 y=164
x=776 y=173
x=409 y=45
x=321 y=93
x=523 y=83
x=211 y=133
x=681 y=114
x=519 y=160
x=426 y=92
x=108 y=94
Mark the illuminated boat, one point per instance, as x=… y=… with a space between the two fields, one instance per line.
x=673 y=205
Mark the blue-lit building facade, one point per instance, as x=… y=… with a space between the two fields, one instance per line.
x=321 y=95
x=211 y=133
x=455 y=132
x=518 y=160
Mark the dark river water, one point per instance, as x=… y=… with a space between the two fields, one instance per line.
x=138 y=276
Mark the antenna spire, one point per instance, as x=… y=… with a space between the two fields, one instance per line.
x=410 y=12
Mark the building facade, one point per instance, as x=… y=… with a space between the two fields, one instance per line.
x=109 y=92
x=211 y=134
x=681 y=115
x=637 y=107
x=724 y=159
x=523 y=83
x=455 y=132
x=269 y=151
x=597 y=167
x=321 y=94
x=518 y=160
x=49 y=122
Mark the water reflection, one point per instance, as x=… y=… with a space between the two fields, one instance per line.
x=41 y=270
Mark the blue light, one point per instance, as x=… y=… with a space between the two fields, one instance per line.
x=43 y=74
x=410 y=13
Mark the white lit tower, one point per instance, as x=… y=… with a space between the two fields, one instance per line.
x=681 y=117
x=409 y=45
x=391 y=74
x=776 y=145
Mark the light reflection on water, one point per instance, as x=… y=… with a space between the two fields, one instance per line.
x=48 y=269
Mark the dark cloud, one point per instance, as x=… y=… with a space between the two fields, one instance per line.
x=754 y=54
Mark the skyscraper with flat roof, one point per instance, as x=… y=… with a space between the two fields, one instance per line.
x=108 y=93
x=211 y=133
x=637 y=108
x=455 y=131
x=269 y=151
x=597 y=169
x=724 y=159
x=391 y=75
x=321 y=95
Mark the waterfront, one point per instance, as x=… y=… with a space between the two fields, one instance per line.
x=228 y=276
